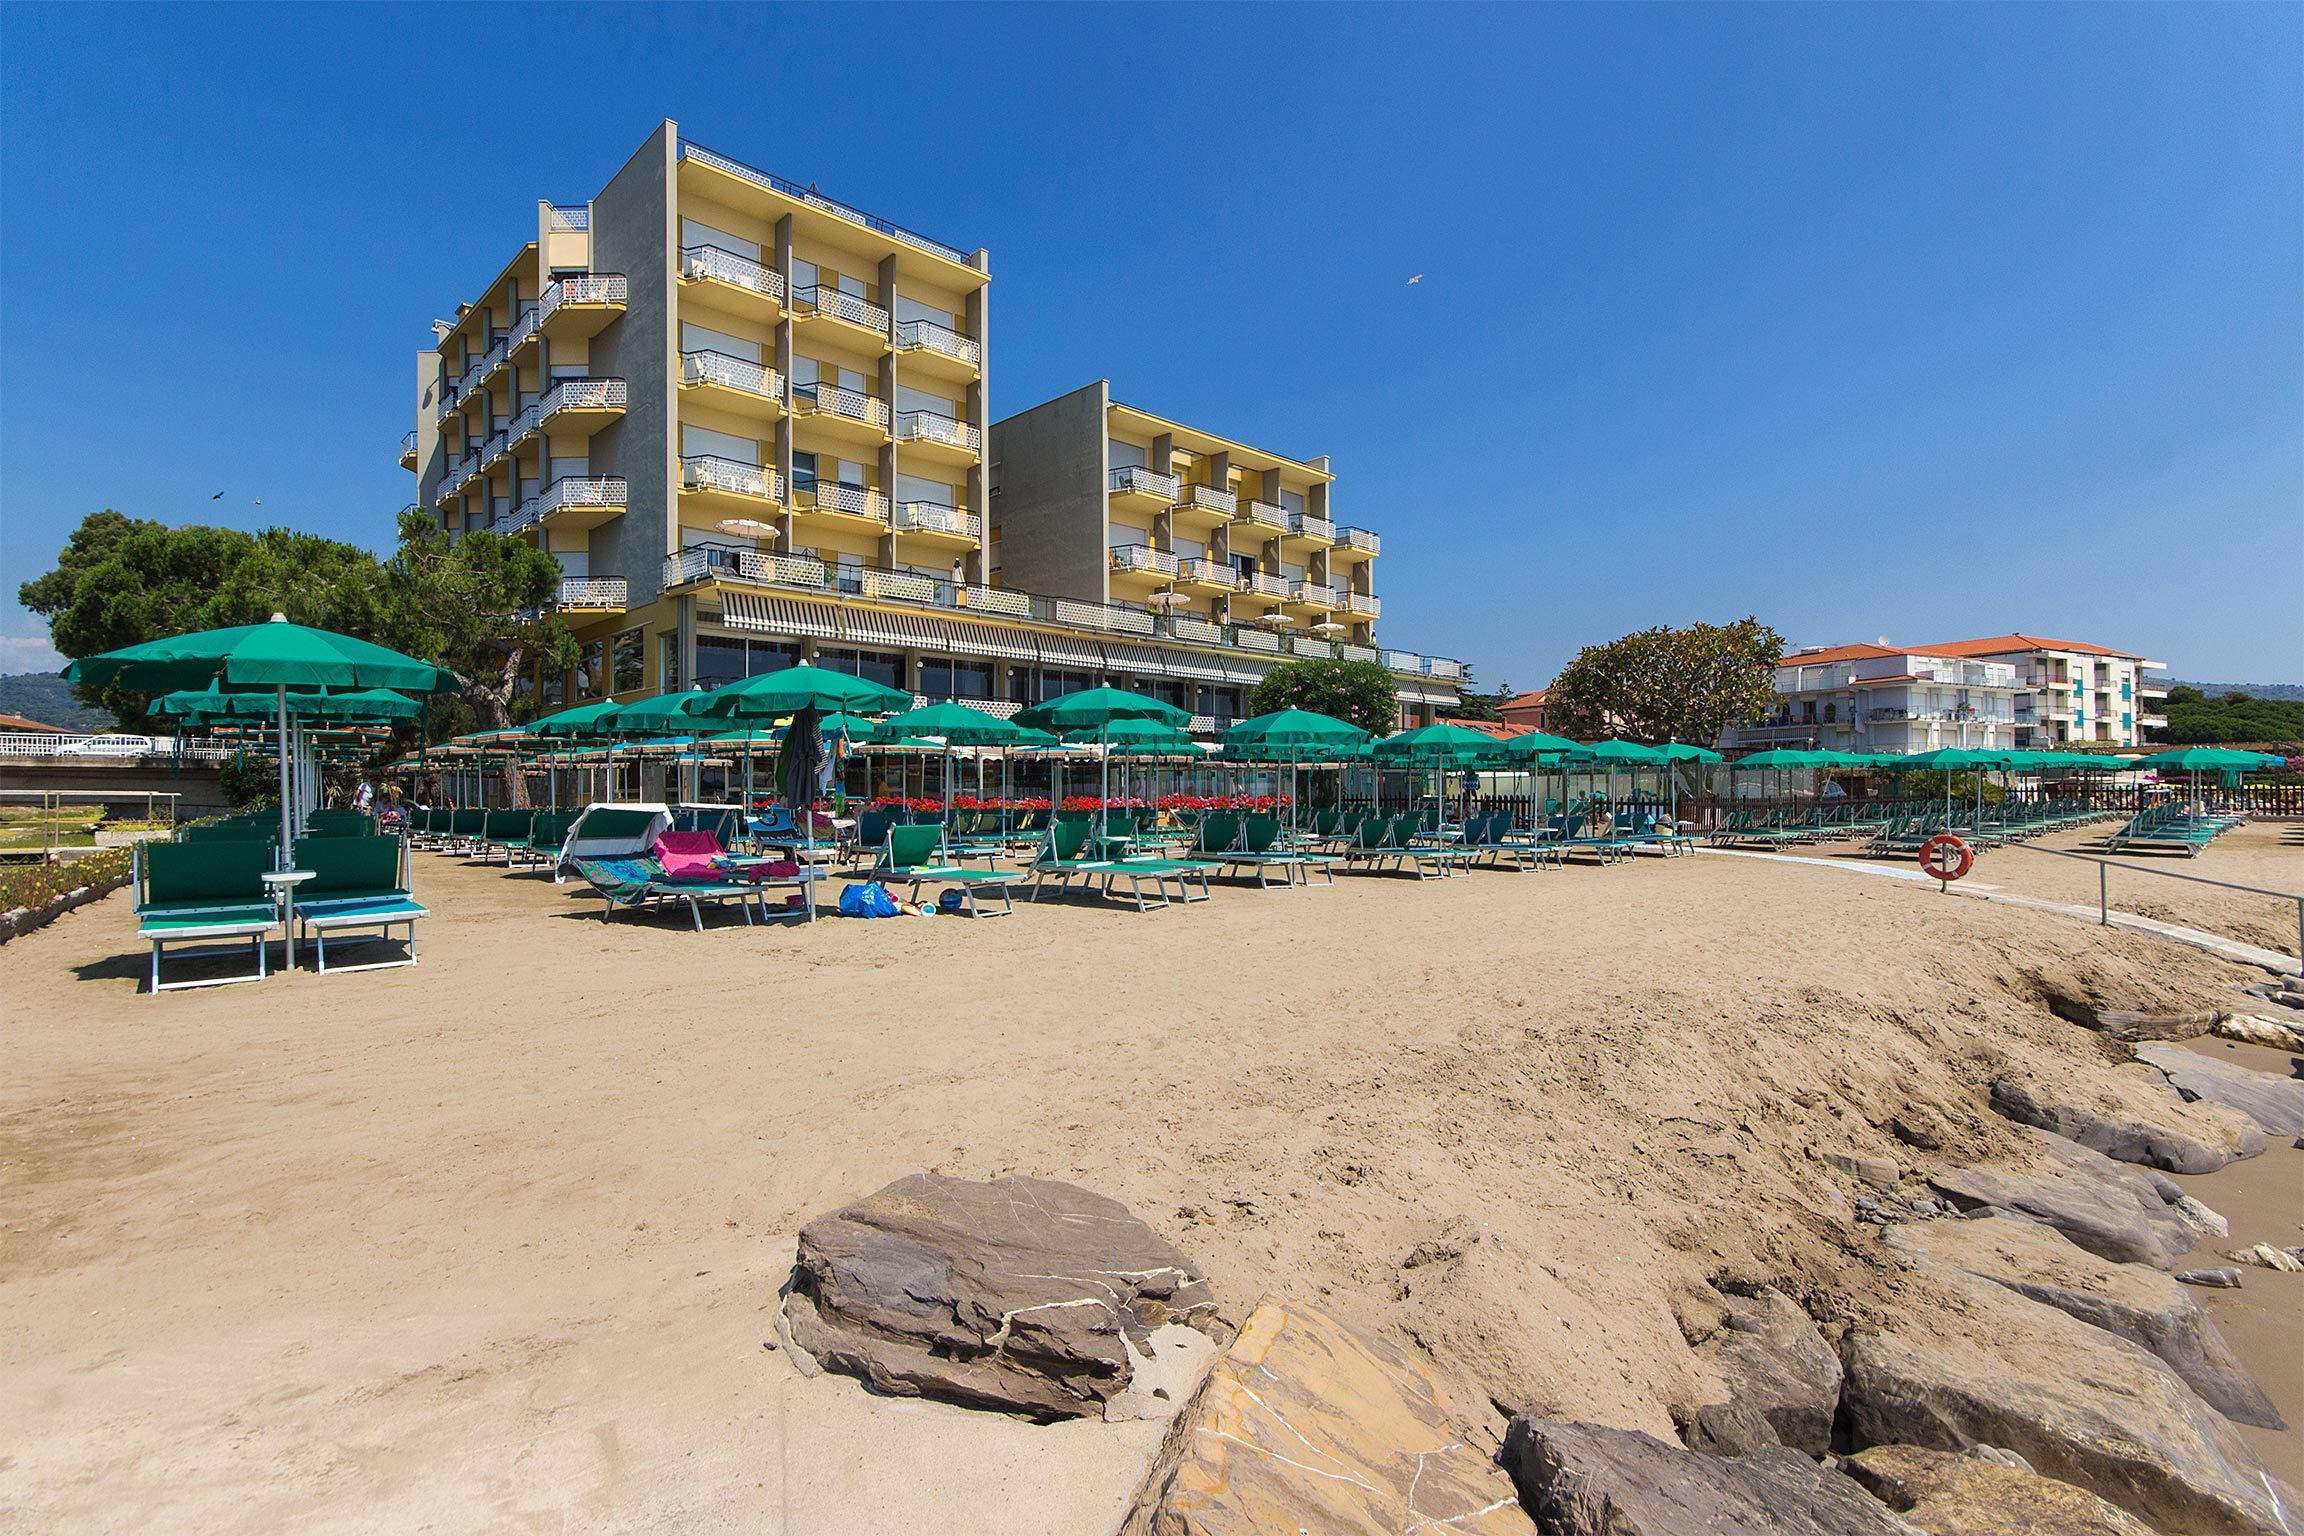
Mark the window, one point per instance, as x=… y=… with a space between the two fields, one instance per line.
x=1037 y=685
x=591 y=663
x=1124 y=455
x=626 y=662
x=719 y=661
x=803 y=471
x=1292 y=501
x=697 y=442
x=696 y=232
x=702 y=338
x=882 y=667
x=942 y=679
x=668 y=662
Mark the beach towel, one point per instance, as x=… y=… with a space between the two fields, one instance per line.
x=689 y=856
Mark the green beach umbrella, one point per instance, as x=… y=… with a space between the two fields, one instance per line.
x=959 y=726
x=1443 y=744
x=1781 y=757
x=772 y=695
x=1292 y=736
x=583 y=720
x=346 y=705
x=1688 y=752
x=650 y=716
x=1099 y=709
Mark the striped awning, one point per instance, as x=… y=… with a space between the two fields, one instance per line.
x=773 y=615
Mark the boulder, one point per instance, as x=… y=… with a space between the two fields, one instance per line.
x=2141 y=1305
x=1587 y=1480
x=2106 y=1207
x=2272 y=1034
x=2275 y=1103
x=1969 y=1495
x=2126 y=1141
x=1308 y=1425
x=1879 y=1172
x=1991 y=1367
x=1783 y=1380
x=1023 y=1295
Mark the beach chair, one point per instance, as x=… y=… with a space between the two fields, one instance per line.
x=357 y=884
x=638 y=884
x=201 y=893
x=339 y=823
x=547 y=830
x=1058 y=858
x=1060 y=861
x=916 y=856
x=499 y=831
x=1227 y=839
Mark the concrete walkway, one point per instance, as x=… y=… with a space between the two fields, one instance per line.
x=2216 y=944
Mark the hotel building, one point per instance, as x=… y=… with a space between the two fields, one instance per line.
x=1885 y=698
x=2069 y=692
x=751 y=423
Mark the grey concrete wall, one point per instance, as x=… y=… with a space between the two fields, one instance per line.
x=634 y=231
x=123 y=786
x=1049 y=496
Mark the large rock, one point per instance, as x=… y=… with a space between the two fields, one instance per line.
x=1586 y=1480
x=1991 y=1367
x=1783 y=1380
x=1308 y=1425
x=1948 y=1495
x=2104 y=1206
x=2126 y=1141
x=2275 y=1103
x=2140 y=1305
x=1021 y=1294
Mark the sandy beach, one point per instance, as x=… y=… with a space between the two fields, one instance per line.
x=495 y=1242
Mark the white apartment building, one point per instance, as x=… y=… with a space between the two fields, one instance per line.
x=2069 y=692
x=1886 y=698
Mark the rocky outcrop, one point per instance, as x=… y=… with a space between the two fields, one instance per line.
x=2275 y=1103
x=1991 y=1367
x=2104 y=1206
x=1305 y=1424
x=1586 y=1480
x=2122 y=1025
x=1021 y=1294
x=1967 y=1495
x=1783 y=1381
x=2141 y=1305
x=2126 y=1141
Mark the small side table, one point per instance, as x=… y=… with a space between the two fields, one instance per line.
x=284 y=883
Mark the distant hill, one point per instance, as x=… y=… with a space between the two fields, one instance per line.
x=2253 y=690
x=46 y=697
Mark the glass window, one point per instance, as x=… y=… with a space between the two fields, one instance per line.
x=803 y=471
x=942 y=679
x=719 y=661
x=882 y=667
x=771 y=656
x=591 y=675
x=626 y=662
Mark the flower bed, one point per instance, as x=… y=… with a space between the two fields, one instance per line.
x=35 y=895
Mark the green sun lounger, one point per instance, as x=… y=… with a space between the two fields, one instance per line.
x=358 y=884
x=915 y=856
x=202 y=893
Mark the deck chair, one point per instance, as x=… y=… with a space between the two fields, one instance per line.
x=916 y=856
x=202 y=892
x=357 y=884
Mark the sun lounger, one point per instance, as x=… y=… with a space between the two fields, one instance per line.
x=357 y=884
x=200 y=893
x=916 y=857
x=1059 y=861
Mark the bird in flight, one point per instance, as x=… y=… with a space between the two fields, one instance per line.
x=219 y=496
x=1412 y=282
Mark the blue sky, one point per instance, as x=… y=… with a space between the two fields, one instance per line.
x=1914 y=321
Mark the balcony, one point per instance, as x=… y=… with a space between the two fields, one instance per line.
x=576 y=307
x=1314 y=596
x=573 y=501
x=1261 y=517
x=408 y=451
x=942 y=524
x=1310 y=648
x=1198 y=506
x=823 y=504
x=598 y=594
x=929 y=348
x=574 y=405
x=1358 y=543
x=730 y=485
x=939 y=438
x=1203 y=575
x=1314 y=532
x=855 y=321
x=1138 y=485
x=1143 y=563
x=738 y=281
x=1257 y=584
x=734 y=383
x=1361 y=604
x=843 y=413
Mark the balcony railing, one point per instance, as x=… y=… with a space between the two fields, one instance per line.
x=929 y=427
x=849 y=500
x=832 y=400
x=522 y=329
x=582 y=395
x=1360 y=539
x=1349 y=652
x=1307 y=645
x=1143 y=557
x=815 y=199
x=591 y=592
x=928 y=336
x=1257 y=640
x=408 y=445
x=711 y=264
x=1135 y=479
x=1263 y=514
x=1315 y=594
x=594 y=288
x=730 y=477
x=823 y=299
x=1200 y=496
x=1304 y=525
x=731 y=372
x=935 y=517
x=1197 y=631
x=582 y=491
x=1212 y=573
x=1364 y=604
x=1263 y=585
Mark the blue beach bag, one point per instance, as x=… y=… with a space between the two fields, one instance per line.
x=871 y=899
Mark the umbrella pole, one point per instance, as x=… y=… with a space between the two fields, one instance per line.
x=287 y=839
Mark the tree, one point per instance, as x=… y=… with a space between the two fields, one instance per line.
x=2197 y=718
x=1358 y=691
x=1667 y=684
x=482 y=608
x=1472 y=704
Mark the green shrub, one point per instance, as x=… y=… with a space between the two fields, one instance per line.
x=35 y=885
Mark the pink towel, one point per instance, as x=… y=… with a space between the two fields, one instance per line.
x=689 y=855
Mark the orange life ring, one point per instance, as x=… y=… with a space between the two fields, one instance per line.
x=1944 y=842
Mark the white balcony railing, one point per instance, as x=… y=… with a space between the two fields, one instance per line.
x=1191 y=630
x=1263 y=514
x=1200 y=496
x=581 y=491
x=929 y=427
x=1265 y=586
x=1136 y=480
x=711 y=264
x=582 y=395
x=1359 y=539
x=1256 y=640
x=928 y=336
x=848 y=500
x=597 y=288
x=1143 y=557
x=730 y=372
x=730 y=477
x=591 y=592
x=1365 y=604
x=1315 y=594
x=522 y=330
x=1304 y=525
x=935 y=517
x=832 y=400
x=1307 y=645
x=1210 y=573
x=820 y=299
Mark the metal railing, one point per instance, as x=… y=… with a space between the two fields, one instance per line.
x=1199 y=631
x=818 y=200
x=934 y=427
x=824 y=299
x=1365 y=604
x=1306 y=645
x=712 y=264
x=1263 y=514
x=1359 y=539
x=2104 y=868
x=598 y=288
x=582 y=395
x=728 y=371
x=848 y=500
x=935 y=517
x=1265 y=586
x=1206 y=572
x=732 y=477
x=567 y=216
x=1200 y=496
x=1143 y=557
x=833 y=400
x=563 y=493
x=1256 y=640
x=928 y=336
x=592 y=592
x=1305 y=525
x=1315 y=594
x=1135 y=479
x=408 y=445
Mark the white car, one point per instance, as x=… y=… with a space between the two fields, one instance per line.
x=109 y=746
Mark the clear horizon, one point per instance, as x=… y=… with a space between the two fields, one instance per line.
x=1924 y=322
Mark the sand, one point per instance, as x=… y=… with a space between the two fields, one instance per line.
x=494 y=1242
